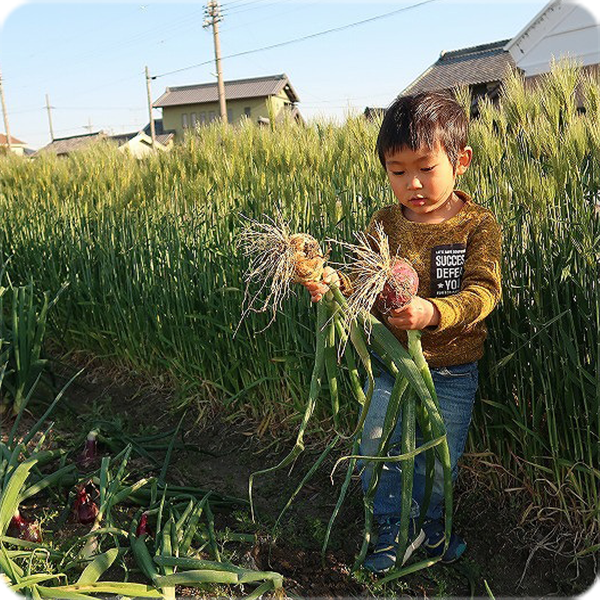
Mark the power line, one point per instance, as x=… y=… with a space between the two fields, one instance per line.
x=84 y=34
x=301 y=39
x=243 y=8
x=235 y=10
x=94 y=108
x=237 y=2
x=270 y=16
x=83 y=59
x=26 y=110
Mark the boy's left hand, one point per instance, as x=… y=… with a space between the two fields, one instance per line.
x=417 y=314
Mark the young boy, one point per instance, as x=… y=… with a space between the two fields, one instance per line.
x=454 y=245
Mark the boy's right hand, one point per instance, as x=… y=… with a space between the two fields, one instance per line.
x=318 y=289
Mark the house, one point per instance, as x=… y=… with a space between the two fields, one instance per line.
x=371 y=113
x=561 y=29
x=163 y=136
x=139 y=143
x=65 y=145
x=258 y=99
x=482 y=68
x=17 y=146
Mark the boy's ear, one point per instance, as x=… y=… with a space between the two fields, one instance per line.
x=464 y=160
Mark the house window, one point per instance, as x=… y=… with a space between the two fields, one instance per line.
x=247 y=111
x=229 y=115
x=211 y=115
x=193 y=119
x=184 y=120
x=203 y=117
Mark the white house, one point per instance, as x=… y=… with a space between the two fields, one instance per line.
x=17 y=146
x=138 y=143
x=562 y=29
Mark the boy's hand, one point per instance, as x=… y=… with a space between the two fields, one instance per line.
x=318 y=289
x=417 y=314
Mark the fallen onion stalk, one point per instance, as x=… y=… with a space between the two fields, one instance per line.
x=378 y=279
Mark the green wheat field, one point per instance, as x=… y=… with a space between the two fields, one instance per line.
x=155 y=280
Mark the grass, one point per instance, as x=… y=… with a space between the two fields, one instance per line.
x=155 y=282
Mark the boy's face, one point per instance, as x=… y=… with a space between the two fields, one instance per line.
x=423 y=180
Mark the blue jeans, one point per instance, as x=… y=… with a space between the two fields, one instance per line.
x=455 y=387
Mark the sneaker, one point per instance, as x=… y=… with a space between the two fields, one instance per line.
x=383 y=557
x=434 y=545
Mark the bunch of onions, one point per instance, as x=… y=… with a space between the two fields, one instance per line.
x=307 y=259
x=23 y=529
x=378 y=279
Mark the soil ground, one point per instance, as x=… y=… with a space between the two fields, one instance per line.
x=511 y=552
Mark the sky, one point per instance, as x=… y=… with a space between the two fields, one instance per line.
x=89 y=57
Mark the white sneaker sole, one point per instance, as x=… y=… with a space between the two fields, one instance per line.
x=413 y=546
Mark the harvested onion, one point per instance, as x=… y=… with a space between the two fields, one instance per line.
x=400 y=287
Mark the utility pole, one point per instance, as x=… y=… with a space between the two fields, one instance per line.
x=149 y=94
x=213 y=16
x=48 y=107
x=5 y=114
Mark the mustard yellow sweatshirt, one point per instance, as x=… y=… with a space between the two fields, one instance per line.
x=458 y=263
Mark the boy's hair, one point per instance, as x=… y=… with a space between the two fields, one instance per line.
x=421 y=120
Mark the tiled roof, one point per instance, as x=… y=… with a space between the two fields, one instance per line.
x=469 y=66
x=257 y=87
x=162 y=135
x=74 y=142
x=158 y=128
x=121 y=138
x=13 y=140
x=373 y=112
x=164 y=138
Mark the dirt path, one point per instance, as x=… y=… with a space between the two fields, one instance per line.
x=515 y=559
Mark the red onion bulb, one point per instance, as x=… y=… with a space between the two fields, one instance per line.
x=400 y=288
x=85 y=507
x=24 y=529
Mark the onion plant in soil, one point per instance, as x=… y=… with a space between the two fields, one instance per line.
x=23 y=321
x=150 y=536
